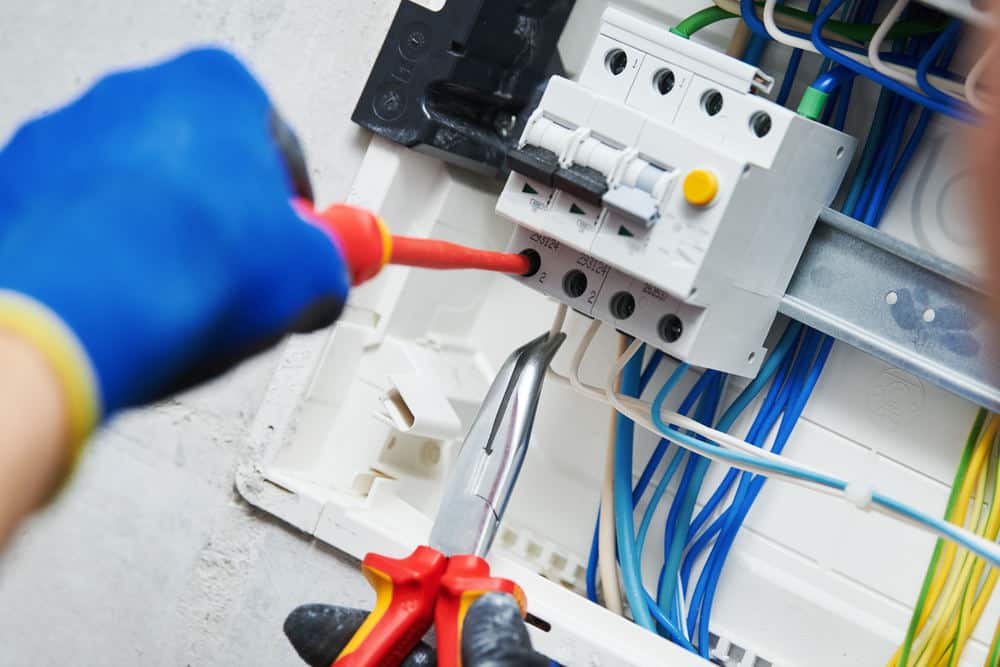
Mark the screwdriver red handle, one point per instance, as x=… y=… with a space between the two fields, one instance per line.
x=466 y=579
x=406 y=590
x=367 y=246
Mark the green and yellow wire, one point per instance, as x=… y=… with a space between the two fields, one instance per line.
x=958 y=585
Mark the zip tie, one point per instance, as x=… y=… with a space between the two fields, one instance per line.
x=860 y=495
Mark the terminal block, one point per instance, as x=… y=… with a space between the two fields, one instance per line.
x=664 y=196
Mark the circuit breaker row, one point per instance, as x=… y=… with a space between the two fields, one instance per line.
x=694 y=194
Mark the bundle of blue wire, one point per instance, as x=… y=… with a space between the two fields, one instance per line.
x=792 y=371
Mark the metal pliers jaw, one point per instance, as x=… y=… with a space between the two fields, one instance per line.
x=491 y=455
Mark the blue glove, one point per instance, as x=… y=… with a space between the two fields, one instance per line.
x=146 y=236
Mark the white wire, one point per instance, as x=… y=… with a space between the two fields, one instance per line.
x=559 y=321
x=905 y=75
x=781 y=37
x=975 y=74
x=607 y=563
x=901 y=74
x=554 y=330
x=574 y=370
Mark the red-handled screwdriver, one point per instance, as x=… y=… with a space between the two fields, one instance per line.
x=368 y=245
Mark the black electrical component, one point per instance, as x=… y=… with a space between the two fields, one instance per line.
x=461 y=82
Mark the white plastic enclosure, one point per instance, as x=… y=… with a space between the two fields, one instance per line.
x=361 y=423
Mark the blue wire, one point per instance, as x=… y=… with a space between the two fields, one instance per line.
x=872 y=143
x=749 y=14
x=845 y=100
x=948 y=36
x=897 y=173
x=624 y=520
x=741 y=503
x=950 y=109
x=753 y=489
x=592 y=560
x=755 y=50
x=591 y=578
x=679 y=517
x=654 y=501
x=651 y=367
x=773 y=364
x=675 y=634
x=763 y=425
x=789 y=79
x=881 y=160
x=832 y=80
x=889 y=151
x=710 y=507
x=696 y=392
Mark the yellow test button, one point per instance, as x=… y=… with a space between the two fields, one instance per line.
x=700 y=187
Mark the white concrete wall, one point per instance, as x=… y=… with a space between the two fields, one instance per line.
x=150 y=557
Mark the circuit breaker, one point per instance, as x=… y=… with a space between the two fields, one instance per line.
x=661 y=194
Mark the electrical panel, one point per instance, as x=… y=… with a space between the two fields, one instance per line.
x=358 y=432
x=664 y=196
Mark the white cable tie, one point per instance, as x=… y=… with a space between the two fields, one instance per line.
x=860 y=494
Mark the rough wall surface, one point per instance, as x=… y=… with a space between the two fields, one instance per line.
x=151 y=557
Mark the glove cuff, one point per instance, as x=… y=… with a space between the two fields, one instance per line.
x=35 y=323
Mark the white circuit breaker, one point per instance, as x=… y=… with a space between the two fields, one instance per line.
x=663 y=196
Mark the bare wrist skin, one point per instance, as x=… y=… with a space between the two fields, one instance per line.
x=34 y=432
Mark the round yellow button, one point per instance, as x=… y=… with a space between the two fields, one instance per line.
x=700 y=187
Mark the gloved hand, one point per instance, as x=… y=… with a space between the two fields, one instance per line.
x=493 y=635
x=146 y=235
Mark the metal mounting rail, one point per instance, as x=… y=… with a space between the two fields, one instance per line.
x=898 y=303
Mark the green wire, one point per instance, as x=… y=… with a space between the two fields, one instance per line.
x=862 y=32
x=859 y=32
x=994 y=658
x=963 y=466
x=701 y=19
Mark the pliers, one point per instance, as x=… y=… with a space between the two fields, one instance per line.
x=437 y=584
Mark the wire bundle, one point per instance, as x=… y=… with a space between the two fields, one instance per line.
x=696 y=546
x=856 y=45
x=957 y=584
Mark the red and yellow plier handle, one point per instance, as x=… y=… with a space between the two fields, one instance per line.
x=413 y=593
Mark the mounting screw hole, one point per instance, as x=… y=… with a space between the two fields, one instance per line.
x=840 y=152
x=891 y=298
x=760 y=123
x=616 y=61
x=711 y=102
x=664 y=81
x=751 y=357
x=929 y=315
x=622 y=305
x=670 y=328
x=574 y=283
